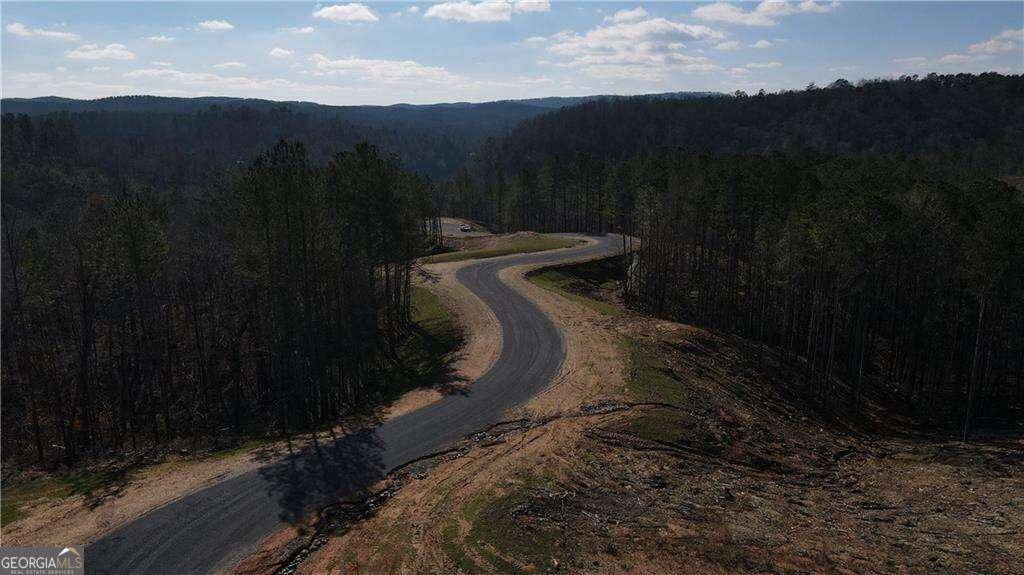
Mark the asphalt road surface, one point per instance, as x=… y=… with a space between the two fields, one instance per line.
x=214 y=528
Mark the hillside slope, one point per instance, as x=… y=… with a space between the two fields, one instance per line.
x=910 y=114
x=705 y=459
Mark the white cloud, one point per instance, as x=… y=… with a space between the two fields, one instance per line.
x=280 y=53
x=35 y=84
x=728 y=46
x=841 y=69
x=762 y=44
x=525 y=6
x=386 y=71
x=354 y=12
x=19 y=29
x=229 y=65
x=97 y=52
x=766 y=13
x=912 y=61
x=647 y=50
x=992 y=47
x=1005 y=41
x=621 y=16
x=946 y=60
x=299 y=31
x=485 y=11
x=764 y=65
x=466 y=11
x=160 y=39
x=216 y=25
x=949 y=59
x=32 y=77
x=206 y=82
x=413 y=9
x=536 y=40
x=98 y=69
x=1017 y=35
x=161 y=63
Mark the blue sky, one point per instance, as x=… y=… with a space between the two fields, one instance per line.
x=385 y=53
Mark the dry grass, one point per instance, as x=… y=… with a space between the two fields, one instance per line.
x=475 y=248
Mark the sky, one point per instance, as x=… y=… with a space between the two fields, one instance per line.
x=462 y=50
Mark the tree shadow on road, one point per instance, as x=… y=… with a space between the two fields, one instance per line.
x=322 y=471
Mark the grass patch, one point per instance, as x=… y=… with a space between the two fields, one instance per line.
x=650 y=379
x=426 y=355
x=514 y=246
x=92 y=484
x=584 y=283
x=505 y=526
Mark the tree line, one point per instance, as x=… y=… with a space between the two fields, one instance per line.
x=272 y=300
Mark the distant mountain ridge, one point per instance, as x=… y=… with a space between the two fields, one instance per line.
x=358 y=114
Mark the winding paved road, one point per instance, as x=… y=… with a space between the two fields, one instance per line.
x=212 y=529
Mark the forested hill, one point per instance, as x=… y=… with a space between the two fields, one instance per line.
x=953 y=112
x=458 y=112
x=460 y=120
x=176 y=140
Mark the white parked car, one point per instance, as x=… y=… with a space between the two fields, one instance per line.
x=465 y=228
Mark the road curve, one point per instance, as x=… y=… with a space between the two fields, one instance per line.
x=212 y=529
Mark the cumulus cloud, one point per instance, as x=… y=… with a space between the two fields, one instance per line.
x=621 y=16
x=621 y=38
x=354 y=12
x=159 y=39
x=98 y=69
x=536 y=40
x=465 y=11
x=647 y=49
x=728 y=46
x=764 y=65
x=280 y=53
x=912 y=61
x=299 y=31
x=766 y=13
x=762 y=44
x=386 y=71
x=1006 y=41
x=161 y=63
x=206 y=81
x=32 y=77
x=229 y=65
x=485 y=11
x=36 y=83
x=524 y=6
x=19 y=29
x=97 y=52
x=216 y=25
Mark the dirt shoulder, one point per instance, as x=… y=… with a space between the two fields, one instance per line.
x=706 y=457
